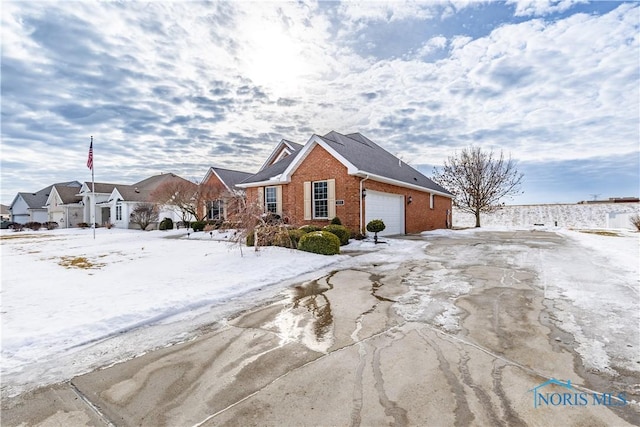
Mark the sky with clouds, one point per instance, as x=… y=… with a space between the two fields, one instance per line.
x=182 y=86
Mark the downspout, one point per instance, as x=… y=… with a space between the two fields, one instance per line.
x=361 y=199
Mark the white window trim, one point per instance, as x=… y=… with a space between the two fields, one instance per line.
x=314 y=200
x=274 y=202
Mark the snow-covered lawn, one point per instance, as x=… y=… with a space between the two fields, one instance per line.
x=64 y=292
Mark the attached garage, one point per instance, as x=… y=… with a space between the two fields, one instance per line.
x=389 y=208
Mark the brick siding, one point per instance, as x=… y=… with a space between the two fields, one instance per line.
x=319 y=165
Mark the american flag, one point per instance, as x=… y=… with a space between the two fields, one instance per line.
x=90 y=158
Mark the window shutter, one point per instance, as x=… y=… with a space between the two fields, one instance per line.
x=331 y=198
x=261 y=197
x=431 y=201
x=307 y=200
x=279 y=200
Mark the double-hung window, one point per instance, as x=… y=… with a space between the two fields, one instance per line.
x=271 y=199
x=214 y=209
x=320 y=200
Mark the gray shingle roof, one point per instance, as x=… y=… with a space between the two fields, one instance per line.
x=365 y=155
x=38 y=199
x=68 y=194
x=230 y=177
x=274 y=170
x=369 y=157
x=155 y=181
x=294 y=145
x=132 y=193
x=101 y=187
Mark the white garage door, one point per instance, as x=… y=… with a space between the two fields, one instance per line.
x=387 y=207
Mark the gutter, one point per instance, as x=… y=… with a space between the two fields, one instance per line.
x=402 y=184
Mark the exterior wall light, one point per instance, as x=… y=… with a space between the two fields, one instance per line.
x=409 y=200
x=364 y=193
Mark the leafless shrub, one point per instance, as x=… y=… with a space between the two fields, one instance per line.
x=253 y=225
x=635 y=220
x=144 y=214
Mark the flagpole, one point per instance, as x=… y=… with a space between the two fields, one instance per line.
x=93 y=190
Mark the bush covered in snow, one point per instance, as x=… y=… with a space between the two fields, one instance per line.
x=635 y=220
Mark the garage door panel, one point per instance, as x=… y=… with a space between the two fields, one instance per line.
x=389 y=208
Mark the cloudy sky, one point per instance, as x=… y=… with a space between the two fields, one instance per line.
x=182 y=86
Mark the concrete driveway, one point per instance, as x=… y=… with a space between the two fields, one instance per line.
x=469 y=336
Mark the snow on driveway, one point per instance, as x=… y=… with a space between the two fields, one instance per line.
x=591 y=285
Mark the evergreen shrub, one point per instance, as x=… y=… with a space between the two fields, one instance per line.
x=320 y=242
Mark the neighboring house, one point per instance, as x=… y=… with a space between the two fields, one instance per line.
x=31 y=207
x=351 y=177
x=64 y=206
x=226 y=180
x=90 y=199
x=124 y=199
x=5 y=214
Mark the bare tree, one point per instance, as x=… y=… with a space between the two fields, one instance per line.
x=251 y=220
x=479 y=180
x=144 y=214
x=187 y=198
x=206 y=193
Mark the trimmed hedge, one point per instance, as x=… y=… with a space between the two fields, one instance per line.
x=320 y=242
x=336 y=221
x=198 y=225
x=166 y=224
x=341 y=231
x=310 y=228
x=295 y=235
x=375 y=226
x=34 y=225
